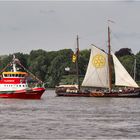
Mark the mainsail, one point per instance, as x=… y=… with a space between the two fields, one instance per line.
x=97 y=71
x=122 y=77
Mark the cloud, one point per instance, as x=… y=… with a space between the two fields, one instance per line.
x=47 y=11
x=130 y=0
x=132 y=35
x=13 y=28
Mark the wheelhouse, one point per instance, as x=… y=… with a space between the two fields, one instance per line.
x=14 y=74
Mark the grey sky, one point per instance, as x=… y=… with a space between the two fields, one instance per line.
x=26 y=26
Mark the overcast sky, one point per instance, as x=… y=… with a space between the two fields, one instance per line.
x=26 y=26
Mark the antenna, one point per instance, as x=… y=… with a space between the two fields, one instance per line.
x=110 y=21
x=14 y=56
x=14 y=64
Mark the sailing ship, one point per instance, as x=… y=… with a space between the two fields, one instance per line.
x=62 y=89
x=14 y=83
x=99 y=77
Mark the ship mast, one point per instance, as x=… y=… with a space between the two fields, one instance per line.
x=14 y=64
x=109 y=61
x=77 y=66
x=135 y=61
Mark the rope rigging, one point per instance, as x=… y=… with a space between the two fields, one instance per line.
x=32 y=75
x=16 y=61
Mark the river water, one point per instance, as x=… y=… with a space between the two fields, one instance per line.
x=70 y=118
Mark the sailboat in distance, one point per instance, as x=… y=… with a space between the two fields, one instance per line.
x=61 y=90
x=99 y=77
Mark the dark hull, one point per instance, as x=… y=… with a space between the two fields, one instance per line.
x=132 y=94
x=34 y=93
x=73 y=94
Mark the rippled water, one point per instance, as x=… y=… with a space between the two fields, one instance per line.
x=70 y=118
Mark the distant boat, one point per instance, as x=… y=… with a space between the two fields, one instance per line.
x=99 y=77
x=14 y=83
x=68 y=88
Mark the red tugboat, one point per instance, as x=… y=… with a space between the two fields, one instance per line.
x=14 y=83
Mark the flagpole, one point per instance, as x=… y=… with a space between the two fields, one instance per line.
x=77 y=66
x=109 y=57
x=109 y=61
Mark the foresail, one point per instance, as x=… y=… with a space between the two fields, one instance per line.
x=122 y=77
x=97 y=70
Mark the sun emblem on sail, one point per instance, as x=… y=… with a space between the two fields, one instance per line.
x=99 y=61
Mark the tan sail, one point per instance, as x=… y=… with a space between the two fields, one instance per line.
x=122 y=77
x=97 y=71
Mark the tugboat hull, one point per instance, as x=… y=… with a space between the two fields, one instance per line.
x=34 y=93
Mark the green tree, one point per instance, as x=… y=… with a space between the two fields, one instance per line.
x=83 y=61
x=128 y=62
x=138 y=66
x=123 y=52
x=4 y=61
x=56 y=71
x=57 y=67
x=38 y=63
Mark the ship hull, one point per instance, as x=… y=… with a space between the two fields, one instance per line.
x=135 y=95
x=33 y=93
x=131 y=94
x=73 y=94
x=116 y=94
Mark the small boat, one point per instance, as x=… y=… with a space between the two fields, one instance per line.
x=98 y=78
x=73 y=89
x=14 y=83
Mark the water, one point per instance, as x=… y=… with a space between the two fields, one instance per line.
x=70 y=118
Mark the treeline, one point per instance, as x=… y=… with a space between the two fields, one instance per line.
x=56 y=67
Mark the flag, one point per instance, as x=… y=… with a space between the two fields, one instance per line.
x=74 y=57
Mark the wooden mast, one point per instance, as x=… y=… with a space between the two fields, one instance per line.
x=109 y=61
x=77 y=66
x=135 y=61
